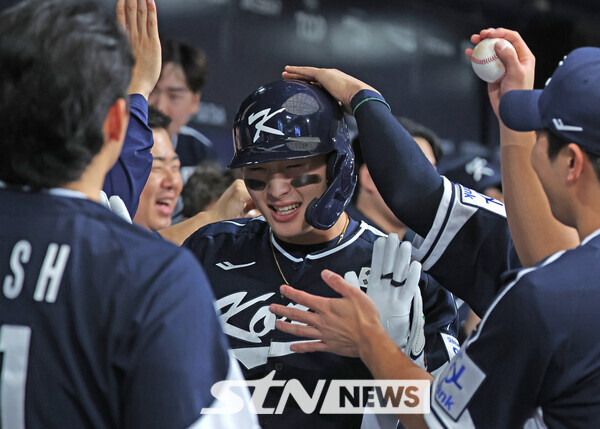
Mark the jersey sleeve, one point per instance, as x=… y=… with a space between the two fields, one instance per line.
x=466 y=238
x=128 y=176
x=441 y=323
x=467 y=248
x=176 y=350
x=199 y=242
x=493 y=381
x=408 y=183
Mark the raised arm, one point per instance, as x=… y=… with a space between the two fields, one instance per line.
x=138 y=19
x=129 y=175
x=407 y=181
x=535 y=232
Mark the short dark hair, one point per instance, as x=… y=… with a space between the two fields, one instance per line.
x=208 y=182
x=157 y=119
x=556 y=143
x=192 y=61
x=63 y=64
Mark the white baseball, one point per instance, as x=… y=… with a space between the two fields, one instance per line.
x=486 y=63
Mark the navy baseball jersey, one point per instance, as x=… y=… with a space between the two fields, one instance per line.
x=240 y=257
x=535 y=354
x=469 y=247
x=101 y=324
x=539 y=362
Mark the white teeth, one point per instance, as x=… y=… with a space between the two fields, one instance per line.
x=287 y=209
x=167 y=202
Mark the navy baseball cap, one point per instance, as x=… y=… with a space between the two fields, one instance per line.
x=568 y=106
x=475 y=172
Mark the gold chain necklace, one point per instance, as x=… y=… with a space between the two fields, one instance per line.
x=341 y=237
x=275 y=257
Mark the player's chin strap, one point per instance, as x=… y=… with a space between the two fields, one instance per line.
x=393 y=286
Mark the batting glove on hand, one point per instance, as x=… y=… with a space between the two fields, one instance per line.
x=116 y=205
x=393 y=286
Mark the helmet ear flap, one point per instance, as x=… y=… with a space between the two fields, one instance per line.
x=309 y=211
x=331 y=167
x=323 y=212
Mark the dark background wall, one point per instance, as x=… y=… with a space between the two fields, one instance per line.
x=412 y=51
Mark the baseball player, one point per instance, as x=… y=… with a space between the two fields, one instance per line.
x=126 y=179
x=535 y=353
x=292 y=144
x=177 y=94
x=95 y=314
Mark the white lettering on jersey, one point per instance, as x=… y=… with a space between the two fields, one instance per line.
x=252 y=357
x=474 y=198
x=451 y=343
x=235 y=300
x=260 y=125
x=20 y=255
x=226 y=265
x=51 y=273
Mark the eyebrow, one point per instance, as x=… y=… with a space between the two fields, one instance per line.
x=176 y=89
x=163 y=159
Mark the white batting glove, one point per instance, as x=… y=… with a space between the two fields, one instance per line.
x=116 y=205
x=393 y=286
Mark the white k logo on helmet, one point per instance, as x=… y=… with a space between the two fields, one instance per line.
x=260 y=125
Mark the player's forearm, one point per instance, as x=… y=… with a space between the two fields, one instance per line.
x=535 y=232
x=407 y=181
x=179 y=232
x=387 y=362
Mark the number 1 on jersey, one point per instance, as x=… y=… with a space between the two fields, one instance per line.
x=14 y=345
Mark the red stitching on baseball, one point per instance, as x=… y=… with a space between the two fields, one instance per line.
x=485 y=60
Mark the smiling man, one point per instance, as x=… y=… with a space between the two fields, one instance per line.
x=293 y=147
x=164 y=185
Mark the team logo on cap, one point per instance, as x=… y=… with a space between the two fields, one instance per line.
x=478 y=168
x=560 y=126
x=260 y=125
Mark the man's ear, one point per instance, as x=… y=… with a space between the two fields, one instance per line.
x=364 y=177
x=115 y=123
x=196 y=97
x=575 y=161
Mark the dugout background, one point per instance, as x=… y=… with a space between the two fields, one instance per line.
x=412 y=51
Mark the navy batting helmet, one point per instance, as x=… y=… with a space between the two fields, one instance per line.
x=289 y=120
